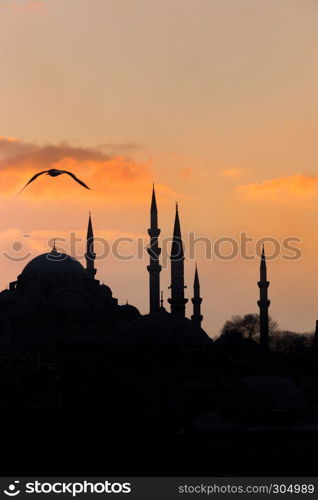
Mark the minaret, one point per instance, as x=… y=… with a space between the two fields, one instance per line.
x=177 y=301
x=263 y=302
x=154 y=251
x=196 y=301
x=90 y=255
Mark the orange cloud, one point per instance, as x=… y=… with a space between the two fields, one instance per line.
x=283 y=189
x=121 y=148
x=113 y=179
x=234 y=172
x=8 y=139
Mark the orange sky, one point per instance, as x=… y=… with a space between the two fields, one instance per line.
x=214 y=100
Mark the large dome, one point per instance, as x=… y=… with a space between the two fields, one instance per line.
x=53 y=263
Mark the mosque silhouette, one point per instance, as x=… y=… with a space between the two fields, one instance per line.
x=88 y=385
x=56 y=294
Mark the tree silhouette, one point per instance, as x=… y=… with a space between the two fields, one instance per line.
x=286 y=341
x=247 y=326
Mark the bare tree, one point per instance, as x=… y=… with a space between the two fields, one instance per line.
x=247 y=326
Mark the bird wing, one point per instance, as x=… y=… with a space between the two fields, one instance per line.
x=76 y=179
x=33 y=179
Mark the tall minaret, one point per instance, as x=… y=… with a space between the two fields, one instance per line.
x=177 y=301
x=90 y=255
x=196 y=301
x=263 y=302
x=154 y=251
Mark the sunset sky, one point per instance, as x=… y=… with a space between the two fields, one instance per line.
x=215 y=101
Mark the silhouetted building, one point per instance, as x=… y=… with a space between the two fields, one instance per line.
x=263 y=302
x=56 y=300
x=154 y=267
x=196 y=300
x=177 y=301
x=115 y=387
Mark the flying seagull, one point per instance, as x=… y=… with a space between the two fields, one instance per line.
x=54 y=173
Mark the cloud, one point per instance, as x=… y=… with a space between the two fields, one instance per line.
x=234 y=172
x=113 y=179
x=282 y=189
x=109 y=176
x=16 y=153
x=121 y=148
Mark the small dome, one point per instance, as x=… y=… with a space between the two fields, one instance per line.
x=164 y=329
x=53 y=263
x=105 y=291
x=130 y=312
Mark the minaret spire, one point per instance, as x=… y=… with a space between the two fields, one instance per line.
x=196 y=301
x=90 y=255
x=177 y=301
x=263 y=302
x=154 y=251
